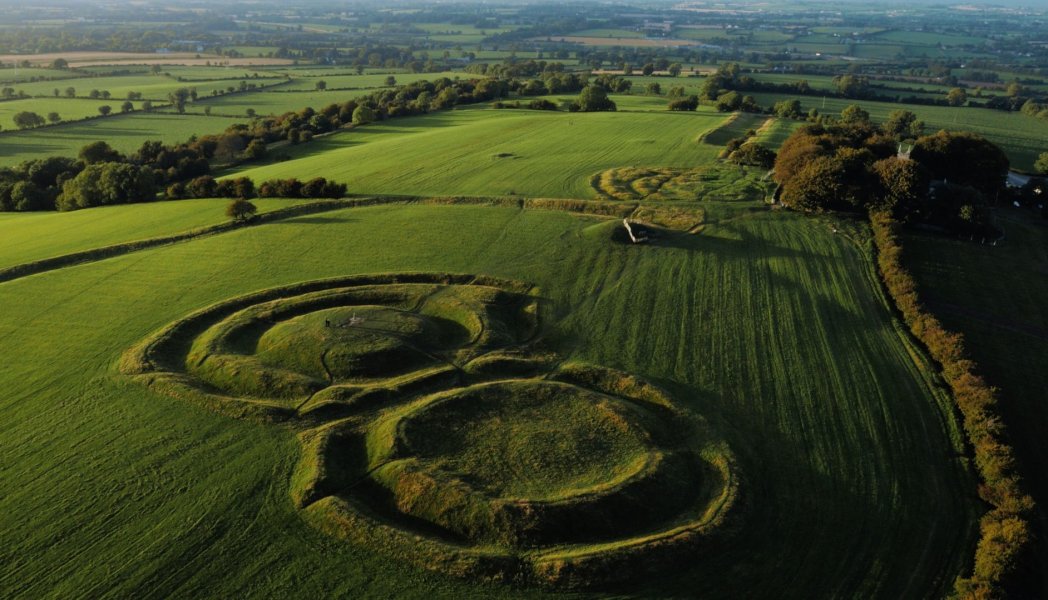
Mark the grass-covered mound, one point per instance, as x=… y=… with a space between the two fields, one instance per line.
x=438 y=432
x=289 y=350
x=582 y=478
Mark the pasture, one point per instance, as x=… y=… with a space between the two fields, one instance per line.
x=123 y=132
x=772 y=332
x=488 y=152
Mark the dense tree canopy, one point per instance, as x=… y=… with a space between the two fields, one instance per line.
x=964 y=158
x=852 y=166
x=108 y=183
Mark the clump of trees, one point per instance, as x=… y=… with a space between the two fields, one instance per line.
x=107 y=183
x=685 y=103
x=753 y=154
x=207 y=186
x=853 y=165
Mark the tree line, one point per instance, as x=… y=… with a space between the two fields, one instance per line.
x=1004 y=530
x=101 y=175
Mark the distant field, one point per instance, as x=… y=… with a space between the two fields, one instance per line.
x=152 y=87
x=368 y=81
x=123 y=132
x=34 y=236
x=610 y=33
x=15 y=75
x=271 y=102
x=67 y=108
x=623 y=41
x=497 y=152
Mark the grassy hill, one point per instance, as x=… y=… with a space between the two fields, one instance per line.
x=768 y=324
x=487 y=152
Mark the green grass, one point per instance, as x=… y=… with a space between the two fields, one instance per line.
x=995 y=297
x=153 y=87
x=33 y=236
x=736 y=126
x=9 y=76
x=123 y=132
x=774 y=132
x=67 y=108
x=768 y=324
x=528 y=441
x=370 y=81
x=608 y=33
x=272 y=102
x=923 y=38
x=490 y=152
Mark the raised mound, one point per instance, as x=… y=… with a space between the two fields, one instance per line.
x=537 y=440
x=436 y=432
x=352 y=342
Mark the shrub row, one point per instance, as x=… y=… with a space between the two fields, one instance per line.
x=1004 y=531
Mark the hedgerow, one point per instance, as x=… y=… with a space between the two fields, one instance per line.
x=1004 y=531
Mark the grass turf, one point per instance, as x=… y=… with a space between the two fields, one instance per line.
x=767 y=323
x=482 y=151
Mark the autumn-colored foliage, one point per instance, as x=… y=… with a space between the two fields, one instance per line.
x=1004 y=531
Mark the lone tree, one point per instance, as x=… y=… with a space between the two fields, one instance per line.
x=53 y=117
x=127 y=106
x=957 y=97
x=321 y=85
x=105 y=109
x=594 y=98
x=28 y=120
x=241 y=209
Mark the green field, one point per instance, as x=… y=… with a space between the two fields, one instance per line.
x=343 y=80
x=123 y=132
x=790 y=355
x=481 y=151
x=34 y=236
x=152 y=87
x=68 y=108
x=462 y=380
